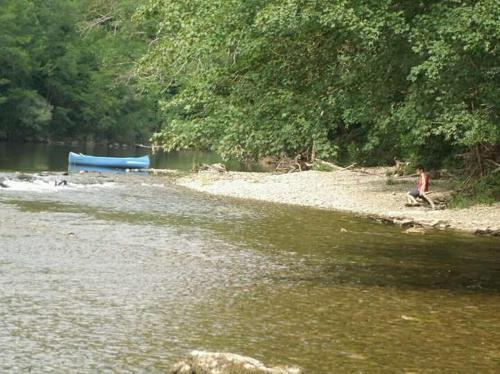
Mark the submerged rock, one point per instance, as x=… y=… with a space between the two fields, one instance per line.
x=415 y=230
x=404 y=222
x=25 y=177
x=487 y=231
x=200 y=362
x=2 y=184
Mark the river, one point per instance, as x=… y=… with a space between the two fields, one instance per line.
x=126 y=273
x=31 y=157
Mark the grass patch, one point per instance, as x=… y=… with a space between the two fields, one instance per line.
x=485 y=190
x=321 y=166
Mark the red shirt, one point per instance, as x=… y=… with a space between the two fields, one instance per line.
x=423 y=177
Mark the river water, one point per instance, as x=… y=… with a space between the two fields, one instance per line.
x=54 y=157
x=126 y=273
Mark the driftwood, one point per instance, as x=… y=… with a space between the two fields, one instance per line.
x=440 y=197
x=289 y=165
x=334 y=166
x=482 y=160
x=217 y=168
x=400 y=167
x=301 y=162
x=495 y=164
x=350 y=166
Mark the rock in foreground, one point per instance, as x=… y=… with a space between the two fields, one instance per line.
x=199 y=362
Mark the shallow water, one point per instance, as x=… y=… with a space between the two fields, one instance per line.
x=127 y=273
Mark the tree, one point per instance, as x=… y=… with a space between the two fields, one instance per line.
x=60 y=78
x=370 y=80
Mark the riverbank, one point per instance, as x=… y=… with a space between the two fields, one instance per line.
x=364 y=192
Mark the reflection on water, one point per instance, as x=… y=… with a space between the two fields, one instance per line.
x=127 y=273
x=44 y=157
x=73 y=168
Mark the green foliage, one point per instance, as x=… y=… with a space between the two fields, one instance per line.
x=65 y=71
x=321 y=166
x=362 y=81
x=485 y=190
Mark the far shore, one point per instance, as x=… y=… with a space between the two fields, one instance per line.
x=364 y=192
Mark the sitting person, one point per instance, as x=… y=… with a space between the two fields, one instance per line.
x=422 y=188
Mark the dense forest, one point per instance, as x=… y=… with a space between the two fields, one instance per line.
x=365 y=80
x=66 y=72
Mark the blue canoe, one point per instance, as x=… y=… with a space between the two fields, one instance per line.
x=109 y=162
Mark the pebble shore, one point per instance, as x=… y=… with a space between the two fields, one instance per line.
x=362 y=192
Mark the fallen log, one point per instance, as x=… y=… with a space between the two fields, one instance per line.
x=350 y=166
x=329 y=164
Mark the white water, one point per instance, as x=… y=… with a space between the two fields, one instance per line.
x=49 y=186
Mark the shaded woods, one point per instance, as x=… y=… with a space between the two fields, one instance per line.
x=64 y=76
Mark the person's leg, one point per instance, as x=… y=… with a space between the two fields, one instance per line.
x=428 y=199
x=410 y=197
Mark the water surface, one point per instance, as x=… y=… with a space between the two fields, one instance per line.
x=127 y=273
x=54 y=157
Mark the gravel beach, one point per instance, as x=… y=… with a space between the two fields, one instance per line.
x=363 y=192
